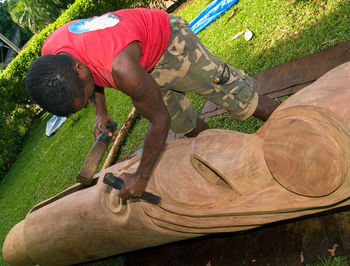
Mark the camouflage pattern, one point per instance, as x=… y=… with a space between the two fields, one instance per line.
x=187 y=66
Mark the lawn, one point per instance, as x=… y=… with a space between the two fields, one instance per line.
x=283 y=31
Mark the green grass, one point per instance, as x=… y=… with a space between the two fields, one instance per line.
x=336 y=261
x=283 y=31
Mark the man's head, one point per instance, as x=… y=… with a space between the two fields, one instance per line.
x=60 y=84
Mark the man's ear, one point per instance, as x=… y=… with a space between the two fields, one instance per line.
x=79 y=69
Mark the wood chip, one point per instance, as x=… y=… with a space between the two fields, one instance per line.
x=329 y=41
x=231 y=16
x=238 y=34
x=301 y=257
x=332 y=251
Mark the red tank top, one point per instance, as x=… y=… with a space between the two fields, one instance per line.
x=97 y=41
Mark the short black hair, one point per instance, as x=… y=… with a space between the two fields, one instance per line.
x=52 y=83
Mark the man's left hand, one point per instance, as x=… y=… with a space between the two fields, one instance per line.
x=100 y=126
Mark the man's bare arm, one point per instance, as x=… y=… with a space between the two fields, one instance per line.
x=131 y=78
x=102 y=115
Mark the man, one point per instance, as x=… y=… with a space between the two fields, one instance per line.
x=150 y=56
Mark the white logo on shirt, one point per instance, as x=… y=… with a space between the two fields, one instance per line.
x=95 y=23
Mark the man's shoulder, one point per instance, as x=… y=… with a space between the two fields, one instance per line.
x=55 y=40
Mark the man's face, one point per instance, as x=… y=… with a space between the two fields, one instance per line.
x=87 y=96
x=88 y=87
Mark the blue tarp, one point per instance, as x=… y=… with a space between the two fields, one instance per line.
x=214 y=10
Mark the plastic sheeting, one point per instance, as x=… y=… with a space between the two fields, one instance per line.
x=53 y=124
x=214 y=10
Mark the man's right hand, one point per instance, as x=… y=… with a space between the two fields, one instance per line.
x=133 y=185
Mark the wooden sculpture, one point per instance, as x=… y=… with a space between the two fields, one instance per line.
x=221 y=181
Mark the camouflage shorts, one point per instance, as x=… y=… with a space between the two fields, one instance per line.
x=187 y=66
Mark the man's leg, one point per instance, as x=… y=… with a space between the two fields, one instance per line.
x=187 y=65
x=265 y=107
x=184 y=120
x=201 y=126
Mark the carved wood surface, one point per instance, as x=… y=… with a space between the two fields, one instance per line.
x=284 y=243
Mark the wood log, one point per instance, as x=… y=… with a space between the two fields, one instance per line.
x=290 y=77
x=220 y=181
x=120 y=138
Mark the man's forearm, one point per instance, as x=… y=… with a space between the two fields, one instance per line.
x=101 y=113
x=154 y=142
x=99 y=101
